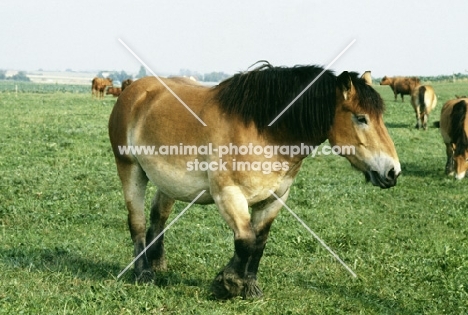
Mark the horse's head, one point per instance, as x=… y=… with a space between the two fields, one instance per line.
x=386 y=81
x=460 y=161
x=454 y=125
x=358 y=124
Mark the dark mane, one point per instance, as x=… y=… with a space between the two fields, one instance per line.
x=457 y=127
x=259 y=95
x=368 y=98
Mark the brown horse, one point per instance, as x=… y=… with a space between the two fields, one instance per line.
x=400 y=85
x=424 y=100
x=99 y=85
x=115 y=91
x=237 y=113
x=454 y=130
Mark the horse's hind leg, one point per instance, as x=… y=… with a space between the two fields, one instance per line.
x=424 y=121
x=161 y=207
x=134 y=182
x=418 y=117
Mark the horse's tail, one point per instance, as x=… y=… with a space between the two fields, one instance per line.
x=422 y=104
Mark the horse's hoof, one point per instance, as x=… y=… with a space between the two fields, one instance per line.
x=146 y=276
x=251 y=290
x=227 y=285
x=159 y=265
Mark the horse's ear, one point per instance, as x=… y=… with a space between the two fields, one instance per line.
x=344 y=83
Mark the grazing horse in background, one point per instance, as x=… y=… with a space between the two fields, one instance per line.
x=424 y=100
x=114 y=91
x=400 y=85
x=126 y=83
x=367 y=77
x=237 y=112
x=99 y=85
x=454 y=131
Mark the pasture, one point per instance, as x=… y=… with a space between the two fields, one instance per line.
x=64 y=235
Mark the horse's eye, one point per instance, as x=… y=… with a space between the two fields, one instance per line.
x=361 y=119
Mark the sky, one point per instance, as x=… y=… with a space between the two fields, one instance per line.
x=397 y=37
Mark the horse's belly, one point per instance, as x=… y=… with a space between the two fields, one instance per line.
x=176 y=181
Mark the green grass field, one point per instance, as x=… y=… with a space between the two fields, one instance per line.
x=64 y=237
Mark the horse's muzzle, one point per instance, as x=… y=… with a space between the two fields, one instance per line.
x=383 y=181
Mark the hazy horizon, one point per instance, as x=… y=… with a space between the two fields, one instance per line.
x=398 y=38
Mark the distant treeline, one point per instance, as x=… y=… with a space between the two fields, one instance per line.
x=20 y=76
x=207 y=77
x=437 y=78
x=446 y=78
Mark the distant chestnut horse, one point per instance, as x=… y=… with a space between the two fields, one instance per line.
x=238 y=113
x=99 y=85
x=400 y=85
x=114 y=91
x=454 y=130
x=424 y=100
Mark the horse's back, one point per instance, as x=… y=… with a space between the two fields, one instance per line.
x=147 y=103
x=424 y=96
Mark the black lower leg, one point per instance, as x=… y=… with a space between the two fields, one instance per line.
x=142 y=268
x=155 y=252
x=260 y=244
x=230 y=281
x=449 y=165
x=160 y=209
x=251 y=288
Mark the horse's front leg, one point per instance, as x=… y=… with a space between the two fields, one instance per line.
x=233 y=207
x=263 y=215
x=239 y=277
x=449 y=166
